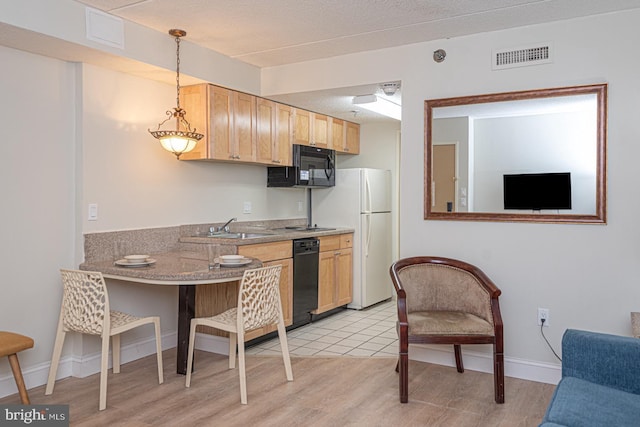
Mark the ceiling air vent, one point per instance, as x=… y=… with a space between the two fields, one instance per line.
x=522 y=56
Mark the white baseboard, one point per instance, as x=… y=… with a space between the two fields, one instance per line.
x=82 y=366
x=212 y=343
x=482 y=362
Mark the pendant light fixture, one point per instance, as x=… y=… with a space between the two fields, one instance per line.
x=183 y=139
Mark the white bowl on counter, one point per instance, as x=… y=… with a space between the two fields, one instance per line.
x=135 y=259
x=231 y=259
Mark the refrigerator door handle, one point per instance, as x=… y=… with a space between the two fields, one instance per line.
x=368 y=237
x=367 y=188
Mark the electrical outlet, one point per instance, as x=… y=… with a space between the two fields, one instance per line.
x=246 y=207
x=543 y=313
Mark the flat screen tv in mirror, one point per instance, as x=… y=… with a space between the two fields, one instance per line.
x=472 y=142
x=537 y=191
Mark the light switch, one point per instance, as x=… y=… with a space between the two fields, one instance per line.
x=246 y=208
x=93 y=212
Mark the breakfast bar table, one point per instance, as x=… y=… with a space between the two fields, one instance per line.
x=180 y=269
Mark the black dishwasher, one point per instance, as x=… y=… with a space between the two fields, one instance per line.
x=305 y=280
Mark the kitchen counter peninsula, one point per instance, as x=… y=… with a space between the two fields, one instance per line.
x=181 y=260
x=180 y=269
x=170 y=268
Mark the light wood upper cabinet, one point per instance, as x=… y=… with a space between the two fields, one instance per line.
x=244 y=127
x=195 y=101
x=284 y=134
x=312 y=129
x=337 y=134
x=302 y=131
x=274 y=133
x=239 y=127
x=228 y=120
x=352 y=138
x=321 y=130
x=345 y=136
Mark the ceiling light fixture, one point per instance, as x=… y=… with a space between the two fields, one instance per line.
x=379 y=105
x=183 y=139
x=390 y=89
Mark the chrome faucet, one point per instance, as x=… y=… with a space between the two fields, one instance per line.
x=225 y=227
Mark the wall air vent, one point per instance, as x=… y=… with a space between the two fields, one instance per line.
x=522 y=56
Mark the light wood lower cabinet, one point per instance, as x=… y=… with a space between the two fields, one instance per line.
x=276 y=253
x=216 y=298
x=335 y=272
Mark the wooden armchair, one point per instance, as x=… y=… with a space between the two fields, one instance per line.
x=446 y=301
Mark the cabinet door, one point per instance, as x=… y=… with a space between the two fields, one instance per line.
x=265 y=131
x=344 y=277
x=221 y=123
x=244 y=127
x=194 y=101
x=352 y=138
x=326 y=281
x=337 y=134
x=321 y=129
x=302 y=129
x=284 y=135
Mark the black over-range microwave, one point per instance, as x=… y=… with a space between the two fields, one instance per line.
x=312 y=167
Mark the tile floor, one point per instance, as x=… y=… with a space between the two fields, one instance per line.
x=369 y=332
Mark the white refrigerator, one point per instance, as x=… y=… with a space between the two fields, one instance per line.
x=361 y=199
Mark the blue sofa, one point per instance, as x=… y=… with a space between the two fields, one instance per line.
x=600 y=383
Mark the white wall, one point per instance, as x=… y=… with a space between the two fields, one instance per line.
x=37 y=219
x=123 y=162
x=585 y=274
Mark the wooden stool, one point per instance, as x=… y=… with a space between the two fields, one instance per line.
x=10 y=345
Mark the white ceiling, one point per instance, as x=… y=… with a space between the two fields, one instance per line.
x=276 y=32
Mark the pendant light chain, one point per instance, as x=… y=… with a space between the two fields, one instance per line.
x=178 y=71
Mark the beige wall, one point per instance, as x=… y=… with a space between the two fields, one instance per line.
x=584 y=274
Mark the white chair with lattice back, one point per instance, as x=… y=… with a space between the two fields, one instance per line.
x=85 y=309
x=258 y=306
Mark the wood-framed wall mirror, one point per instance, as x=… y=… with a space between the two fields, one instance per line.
x=528 y=156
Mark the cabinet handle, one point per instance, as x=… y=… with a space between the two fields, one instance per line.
x=275 y=161
x=337 y=253
x=346 y=149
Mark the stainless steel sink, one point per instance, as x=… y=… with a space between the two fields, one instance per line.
x=225 y=235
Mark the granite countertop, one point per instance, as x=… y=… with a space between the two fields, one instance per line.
x=172 y=268
x=269 y=235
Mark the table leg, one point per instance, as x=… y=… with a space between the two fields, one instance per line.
x=186 y=312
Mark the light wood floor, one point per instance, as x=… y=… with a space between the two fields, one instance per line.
x=339 y=391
